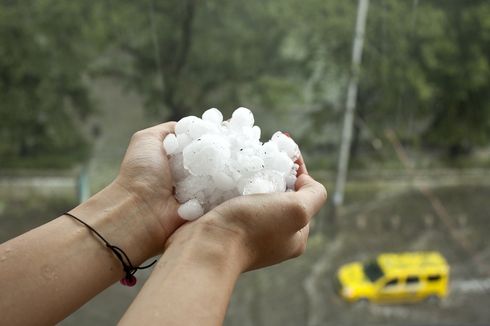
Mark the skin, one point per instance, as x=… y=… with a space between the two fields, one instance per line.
x=201 y=263
x=204 y=259
x=52 y=270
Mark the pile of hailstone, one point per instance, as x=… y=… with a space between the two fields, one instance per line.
x=212 y=160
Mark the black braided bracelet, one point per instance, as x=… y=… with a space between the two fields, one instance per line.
x=129 y=279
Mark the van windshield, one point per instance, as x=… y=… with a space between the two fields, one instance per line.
x=372 y=270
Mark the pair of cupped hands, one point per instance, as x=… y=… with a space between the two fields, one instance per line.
x=265 y=229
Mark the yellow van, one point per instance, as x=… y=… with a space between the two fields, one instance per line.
x=395 y=277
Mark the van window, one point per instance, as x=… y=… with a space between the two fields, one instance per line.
x=434 y=278
x=391 y=282
x=412 y=280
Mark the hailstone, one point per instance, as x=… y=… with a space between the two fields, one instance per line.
x=212 y=160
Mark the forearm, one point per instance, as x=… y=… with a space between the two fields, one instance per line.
x=49 y=272
x=191 y=285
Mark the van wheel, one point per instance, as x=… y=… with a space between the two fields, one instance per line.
x=432 y=299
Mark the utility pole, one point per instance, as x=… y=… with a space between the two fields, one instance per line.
x=350 y=106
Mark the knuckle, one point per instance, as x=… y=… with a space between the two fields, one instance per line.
x=299 y=212
x=137 y=135
x=323 y=192
x=300 y=249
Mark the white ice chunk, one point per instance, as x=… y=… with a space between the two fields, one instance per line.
x=206 y=155
x=270 y=148
x=265 y=182
x=242 y=117
x=251 y=133
x=279 y=162
x=256 y=132
x=193 y=187
x=202 y=127
x=184 y=125
x=258 y=186
x=170 y=144
x=191 y=210
x=248 y=164
x=223 y=181
x=286 y=144
x=213 y=115
x=212 y=160
x=184 y=140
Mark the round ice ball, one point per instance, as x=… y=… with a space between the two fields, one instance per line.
x=171 y=144
x=256 y=132
x=286 y=144
x=185 y=125
x=190 y=210
x=242 y=117
x=213 y=115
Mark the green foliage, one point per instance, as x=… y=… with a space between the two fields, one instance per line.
x=425 y=69
x=185 y=56
x=428 y=63
x=458 y=67
x=43 y=93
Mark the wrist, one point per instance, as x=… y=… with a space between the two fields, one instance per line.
x=198 y=271
x=121 y=219
x=208 y=246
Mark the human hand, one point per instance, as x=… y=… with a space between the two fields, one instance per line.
x=204 y=258
x=145 y=174
x=263 y=229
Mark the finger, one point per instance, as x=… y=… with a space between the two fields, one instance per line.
x=303 y=233
x=163 y=129
x=302 y=166
x=301 y=240
x=310 y=193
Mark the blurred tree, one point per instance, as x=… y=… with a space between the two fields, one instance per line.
x=293 y=57
x=43 y=92
x=153 y=40
x=456 y=59
x=427 y=72
x=185 y=56
x=425 y=69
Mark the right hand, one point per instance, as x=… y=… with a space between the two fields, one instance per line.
x=145 y=174
x=266 y=228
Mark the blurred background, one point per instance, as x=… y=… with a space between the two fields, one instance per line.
x=388 y=99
